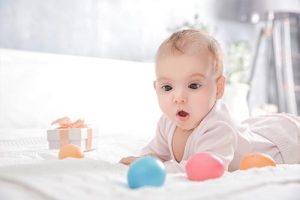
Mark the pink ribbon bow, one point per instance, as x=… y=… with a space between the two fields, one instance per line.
x=65 y=122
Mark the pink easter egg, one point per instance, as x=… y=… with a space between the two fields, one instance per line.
x=203 y=166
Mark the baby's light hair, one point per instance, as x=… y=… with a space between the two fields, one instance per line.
x=192 y=42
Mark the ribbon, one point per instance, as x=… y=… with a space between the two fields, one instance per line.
x=88 y=141
x=65 y=122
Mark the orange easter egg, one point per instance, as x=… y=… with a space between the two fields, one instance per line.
x=70 y=150
x=256 y=159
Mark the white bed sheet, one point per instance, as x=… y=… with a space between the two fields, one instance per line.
x=23 y=146
x=28 y=170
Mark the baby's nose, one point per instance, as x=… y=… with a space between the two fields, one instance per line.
x=177 y=100
x=180 y=97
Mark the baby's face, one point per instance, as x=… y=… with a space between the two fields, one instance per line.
x=186 y=88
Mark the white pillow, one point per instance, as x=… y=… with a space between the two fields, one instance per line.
x=116 y=96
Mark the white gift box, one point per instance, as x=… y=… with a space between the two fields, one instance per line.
x=85 y=138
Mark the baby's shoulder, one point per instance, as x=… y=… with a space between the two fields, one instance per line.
x=164 y=121
x=165 y=125
x=219 y=120
x=220 y=115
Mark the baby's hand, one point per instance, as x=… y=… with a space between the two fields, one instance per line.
x=128 y=160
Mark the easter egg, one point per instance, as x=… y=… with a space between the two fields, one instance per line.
x=70 y=150
x=146 y=171
x=256 y=159
x=203 y=166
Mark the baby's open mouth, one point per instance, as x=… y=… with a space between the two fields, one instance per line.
x=182 y=113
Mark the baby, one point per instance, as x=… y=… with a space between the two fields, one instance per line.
x=189 y=85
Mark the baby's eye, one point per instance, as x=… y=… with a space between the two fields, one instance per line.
x=194 y=86
x=167 y=88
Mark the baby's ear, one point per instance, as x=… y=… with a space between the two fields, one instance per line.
x=220 y=86
x=154 y=85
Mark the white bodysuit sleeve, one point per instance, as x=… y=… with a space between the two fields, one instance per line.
x=218 y=138
x=158 y=146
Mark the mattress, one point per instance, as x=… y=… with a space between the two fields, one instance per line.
x=29 y=170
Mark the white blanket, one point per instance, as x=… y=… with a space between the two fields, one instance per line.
x=91 y=179
x=30 y=171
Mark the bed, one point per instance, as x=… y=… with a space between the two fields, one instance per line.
x=29 y=170
x=33 y=93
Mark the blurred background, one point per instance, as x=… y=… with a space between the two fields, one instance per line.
x=260 y=40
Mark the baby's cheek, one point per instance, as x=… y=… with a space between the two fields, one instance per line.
x=206 y=98
x=201 y=107
x=165 y=106
x=164 y=100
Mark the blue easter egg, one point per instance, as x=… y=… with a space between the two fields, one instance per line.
x=146 y=171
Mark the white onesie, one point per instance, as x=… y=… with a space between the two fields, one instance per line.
x=277 y=135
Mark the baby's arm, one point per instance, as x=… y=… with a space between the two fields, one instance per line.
x=128 y=160
x=219 y=139
x=158 y=146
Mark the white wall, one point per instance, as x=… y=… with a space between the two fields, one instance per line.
x=120 y=29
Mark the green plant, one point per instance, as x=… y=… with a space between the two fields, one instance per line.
x=238 y=62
